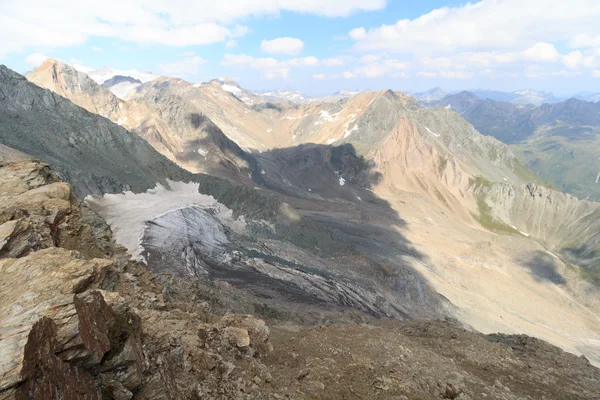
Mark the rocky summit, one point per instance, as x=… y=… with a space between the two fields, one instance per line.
x=80 y=320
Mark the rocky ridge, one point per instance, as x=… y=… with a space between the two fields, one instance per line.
x=88 y=150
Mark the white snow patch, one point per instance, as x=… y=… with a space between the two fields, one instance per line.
x=358 y=197
x=434 y=134
x=310 y=190
x=127 y=212
x=262 y=171
x=232 y=89
x=103 y=74
x=342 y=181
x=325 y=116
x=521 y=232
x=329 y=141
x=202 y=152
x=349 y=132
x=269 y=130
x=123 y=89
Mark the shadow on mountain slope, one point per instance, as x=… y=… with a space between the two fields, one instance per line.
x=316 y=238
x=543 y=267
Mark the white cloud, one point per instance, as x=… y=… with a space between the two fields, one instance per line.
x=188 y=67
x=573 y=59
x=596 y=73
x=369 y=59
x=303 y=62
x=370 y=71
x=584 y=41
x=271 y=67
x=541 y=52
x=445 y=74
x=486 y=25
x=230 y=44
x=35 y=59
x=348 y=75
x=284 y=45
x=319 y=76
x=97 y=49
x=33 y=24
x=337 y=61
x=426 y=74
x=576 y=59
x=357 y=33
x=373 y=66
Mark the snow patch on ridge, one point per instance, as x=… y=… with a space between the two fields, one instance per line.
x=434 y=134
x=232 y=89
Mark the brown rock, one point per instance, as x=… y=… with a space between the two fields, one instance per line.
x=237 y=336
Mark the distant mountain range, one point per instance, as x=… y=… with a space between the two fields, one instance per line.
x=556 y=138
x=525 y=96
x=559 y=141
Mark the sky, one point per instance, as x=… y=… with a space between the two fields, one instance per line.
x=319 y=46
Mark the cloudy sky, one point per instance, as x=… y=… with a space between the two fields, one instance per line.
x=319 y=46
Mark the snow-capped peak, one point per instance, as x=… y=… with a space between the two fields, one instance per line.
x=103 y=74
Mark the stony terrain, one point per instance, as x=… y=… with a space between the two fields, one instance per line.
x=81 y=321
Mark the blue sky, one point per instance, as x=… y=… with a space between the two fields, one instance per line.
x=319 y=46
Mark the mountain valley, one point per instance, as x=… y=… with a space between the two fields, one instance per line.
x=362 y=215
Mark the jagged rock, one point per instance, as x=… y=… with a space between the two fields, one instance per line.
x=237 y=336
x=258 y=332
x=38 y=211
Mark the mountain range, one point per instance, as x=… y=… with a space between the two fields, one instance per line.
x=558 y=141
x=364 y=208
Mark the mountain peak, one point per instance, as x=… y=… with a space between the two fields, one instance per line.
x=103 y=74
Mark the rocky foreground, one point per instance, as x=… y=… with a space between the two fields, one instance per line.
x=79 y=320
